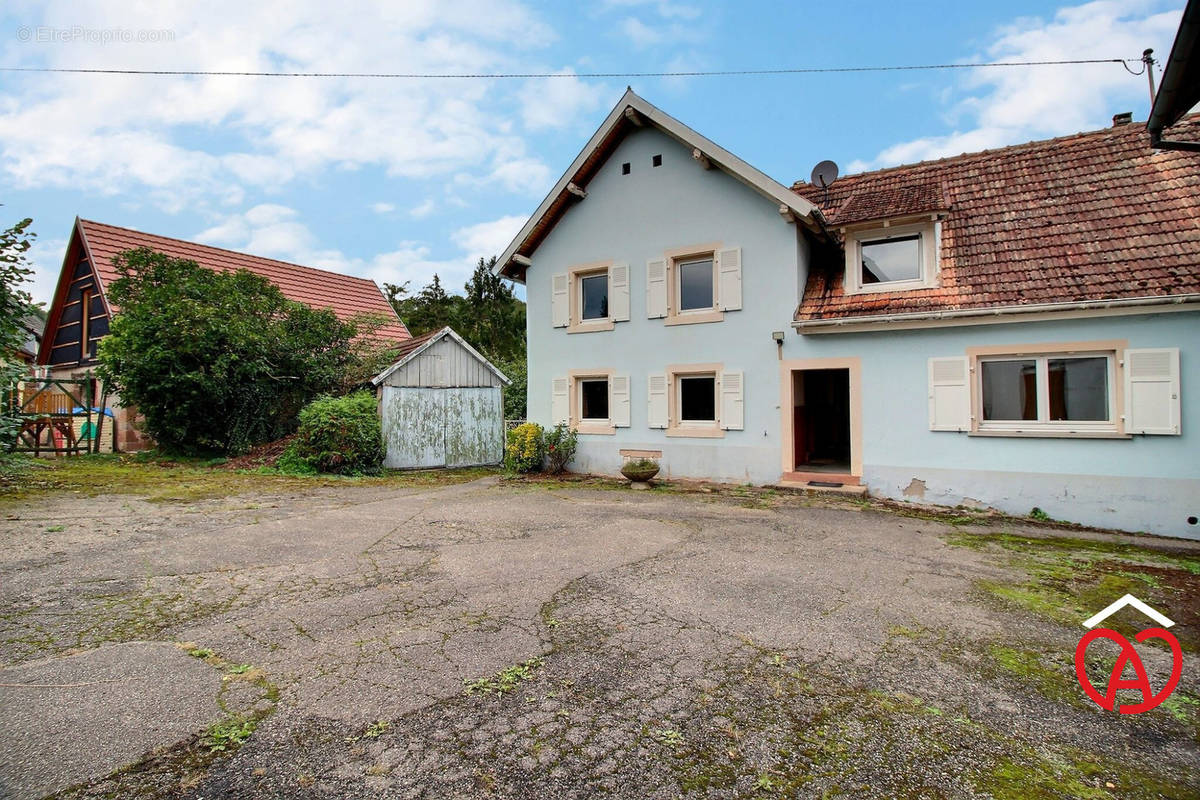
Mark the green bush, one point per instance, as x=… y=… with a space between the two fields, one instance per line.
x=560 y=444
x=526 y=449
x=337 y=434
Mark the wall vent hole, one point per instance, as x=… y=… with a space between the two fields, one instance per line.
x=1192 y=520
x=656 y=161
x=625 y=168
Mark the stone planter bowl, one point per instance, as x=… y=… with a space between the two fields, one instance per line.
x=639 y=471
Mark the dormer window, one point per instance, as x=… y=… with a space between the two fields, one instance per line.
x=891 y=259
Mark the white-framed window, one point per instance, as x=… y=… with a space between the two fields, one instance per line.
x=592 y=397
x=593 y=295
x=696 y=399
x=1053 y=392
x=695 y=283
x=892 y=259
x=590 y=297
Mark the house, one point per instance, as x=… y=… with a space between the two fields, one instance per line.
x=80 y=312
x=441 y=404
x=31 y=329
x=1016 y=328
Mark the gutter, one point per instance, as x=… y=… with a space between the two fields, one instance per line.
x=831 y=325
x=1177 y=90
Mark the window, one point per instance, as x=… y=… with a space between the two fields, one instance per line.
x=695 y=290
x=594 y=296
x=889 y=260
x=593 y=400
x=697 y=399
x=895 y=258
x=1048 y=392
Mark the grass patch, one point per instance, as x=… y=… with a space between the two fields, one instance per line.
x=161 y=479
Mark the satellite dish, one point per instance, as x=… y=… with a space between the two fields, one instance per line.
x=824 y=174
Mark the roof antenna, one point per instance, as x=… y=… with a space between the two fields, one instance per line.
x=823 y=175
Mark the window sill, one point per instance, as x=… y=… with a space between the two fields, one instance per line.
x=1051 y=434
x=891 y=286
x=594 y=429
x=694 y=318
x=684 y=432
x=592 y=326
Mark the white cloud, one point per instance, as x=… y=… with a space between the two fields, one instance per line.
x=423 y=209
x=276 y=231
x=1000 y=106
x=559 y=102
x=138 y=135
x=641 y=34
x=46 y=257
x=383 y=208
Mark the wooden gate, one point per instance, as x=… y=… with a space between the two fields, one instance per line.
x=435 y=427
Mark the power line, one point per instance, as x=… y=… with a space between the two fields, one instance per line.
x=527 y=75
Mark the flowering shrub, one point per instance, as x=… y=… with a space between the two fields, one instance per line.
x=524 y=451
x=560 y=447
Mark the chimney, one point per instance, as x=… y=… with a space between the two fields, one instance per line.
x=1122 y=119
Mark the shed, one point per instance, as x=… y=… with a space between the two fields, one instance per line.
x=441 y=405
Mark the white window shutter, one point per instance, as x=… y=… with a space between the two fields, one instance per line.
x=618 y=292
x=656 y=394
x=729 y=279
x=656 y=289
x=732 y=401
x=949 y=394
x=618 y=401
x=560 y=402
x=1152 y=391
x=560 y=300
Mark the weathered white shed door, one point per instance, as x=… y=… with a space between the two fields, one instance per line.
x=456 y=427
x=442 y=405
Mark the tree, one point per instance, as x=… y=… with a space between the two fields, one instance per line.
x=487 y=314
x=218 y=361
x=15 y=304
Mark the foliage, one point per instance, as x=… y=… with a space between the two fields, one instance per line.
x=505 y=680
x=525 y=449
x=560 y=444
x=487 y=314
x=221 y=361
x=339 y=435
x=15 y=305
x=514 y=393
x=229 y=734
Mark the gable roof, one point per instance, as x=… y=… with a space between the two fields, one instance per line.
x=1179 y=90
x=1097 y=216
x=417 y=345
x=345 y=295
x=631 y=112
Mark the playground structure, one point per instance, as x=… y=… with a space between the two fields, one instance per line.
x=59 y=416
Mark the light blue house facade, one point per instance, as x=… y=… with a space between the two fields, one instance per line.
x=684 y=306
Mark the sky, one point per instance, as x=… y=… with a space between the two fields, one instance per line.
x=398 y=179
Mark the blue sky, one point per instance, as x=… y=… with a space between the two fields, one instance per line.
x=395 y=180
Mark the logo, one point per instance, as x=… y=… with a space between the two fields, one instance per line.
x=1129 y=657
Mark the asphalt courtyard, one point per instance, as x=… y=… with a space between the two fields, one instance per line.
x=495 y=639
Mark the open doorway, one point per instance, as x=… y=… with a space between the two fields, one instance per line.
x=821 y=438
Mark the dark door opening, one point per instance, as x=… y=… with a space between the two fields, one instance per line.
x=821 y=420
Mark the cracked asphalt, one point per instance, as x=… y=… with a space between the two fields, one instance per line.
x=648 y=645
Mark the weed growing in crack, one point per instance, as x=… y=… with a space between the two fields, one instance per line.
x=505 y=680
x=228 y=734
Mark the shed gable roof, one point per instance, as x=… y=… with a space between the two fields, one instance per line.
x=1091 y=217
x=345 y=295
x=413 y=348
x=628 y=114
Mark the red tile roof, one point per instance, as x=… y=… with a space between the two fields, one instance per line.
x=345 y=295
x=1094 y=216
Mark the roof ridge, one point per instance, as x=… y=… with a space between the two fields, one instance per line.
x=1030 y=145
x=241 y=253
